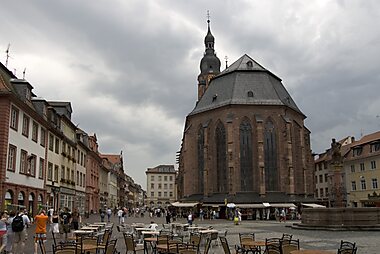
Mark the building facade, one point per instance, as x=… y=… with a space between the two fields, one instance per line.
x=245 y=140
x=160 y=186
x=362 y=170
x=22 y=144
x=46 y=161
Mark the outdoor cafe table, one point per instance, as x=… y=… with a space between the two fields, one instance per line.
x=312 y=252
x=253 y=244
x=89 y=228
x=100 y=223
x=151 y=240
x=83 y=232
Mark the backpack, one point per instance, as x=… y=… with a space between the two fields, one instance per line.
x=17 y=224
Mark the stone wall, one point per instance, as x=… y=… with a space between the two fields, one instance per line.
x=344 y=218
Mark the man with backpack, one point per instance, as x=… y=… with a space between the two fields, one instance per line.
x=18 y=233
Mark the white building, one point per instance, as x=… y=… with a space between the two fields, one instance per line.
x=160 y=186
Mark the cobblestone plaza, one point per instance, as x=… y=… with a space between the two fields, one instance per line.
x=367 y=241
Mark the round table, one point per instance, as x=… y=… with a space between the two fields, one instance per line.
x=312 y=252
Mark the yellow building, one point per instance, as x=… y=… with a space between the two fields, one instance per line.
x=362 y=170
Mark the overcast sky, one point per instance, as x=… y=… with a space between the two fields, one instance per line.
x=130 y=67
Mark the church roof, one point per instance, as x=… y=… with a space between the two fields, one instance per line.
x=245 y=82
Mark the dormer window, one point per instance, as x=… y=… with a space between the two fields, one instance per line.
x=375 y=147
x=250 y=94
x=214 y=97
x=357 y=151
x=249 y=64
x=28 y=94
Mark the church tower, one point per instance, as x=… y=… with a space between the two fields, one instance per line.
x=210 y=63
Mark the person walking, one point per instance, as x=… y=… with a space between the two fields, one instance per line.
x=109 y=213
x=19 y=224
x=75 y=219
x=3 y=230
x=40 y=220
x=65 y=218
x=120 y=216
x=54 y=220
x=190 y=219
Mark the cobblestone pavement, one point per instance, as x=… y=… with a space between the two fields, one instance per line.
x=368 y=242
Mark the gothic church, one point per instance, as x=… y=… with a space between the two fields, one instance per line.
x=245 y=140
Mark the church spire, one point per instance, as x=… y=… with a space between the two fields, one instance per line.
x=210 y=63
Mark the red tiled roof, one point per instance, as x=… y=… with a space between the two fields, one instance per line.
x=113 y=158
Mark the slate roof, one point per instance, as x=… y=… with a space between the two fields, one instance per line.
x=244 y=82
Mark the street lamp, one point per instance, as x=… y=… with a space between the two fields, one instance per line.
x=55 y=191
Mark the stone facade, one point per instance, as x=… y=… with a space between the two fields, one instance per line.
x=245 y=140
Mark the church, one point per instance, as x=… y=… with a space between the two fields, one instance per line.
x=245 y=140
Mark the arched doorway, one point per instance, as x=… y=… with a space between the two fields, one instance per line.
x=31 y=204
x=40 y=202
x=8 y=199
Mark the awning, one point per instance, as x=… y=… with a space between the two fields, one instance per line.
x=283 y=205
x=261 y=205
x=179 y=204
x=314 y=205
x=213 y=205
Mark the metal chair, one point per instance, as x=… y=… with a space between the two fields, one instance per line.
x=287 y=246
x=224 y=243
x=272 y=249
x=130 y=244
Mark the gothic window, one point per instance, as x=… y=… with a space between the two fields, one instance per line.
x=200 y=159
x=246 y=170
x=221 y=159
x=270 y=157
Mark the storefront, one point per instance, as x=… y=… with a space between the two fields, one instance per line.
x=66 y=198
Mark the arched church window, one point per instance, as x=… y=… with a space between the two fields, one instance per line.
x=200 y=159
x=221 y=158
x=246 y=168
x=270 y=157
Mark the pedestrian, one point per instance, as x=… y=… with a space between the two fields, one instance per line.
x=109 y=213
x=282 y=215
x=10 y=233
x=3 y=230
x=65 y=218
x=168 y=217
x=40 y=221
x=120 y=215
x=201 y=214
x=190 y=219
x=102 y=215
x=54 y=220
x=153 y=225
x=19 y=224
x=75 y=219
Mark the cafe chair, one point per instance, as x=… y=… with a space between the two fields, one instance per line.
x=65 y=251
x=131 y=245
x=286 y=237
x=273 y=241
x=111 y=247
x=103 y=241
x=208 y=245
x=162 y=243
x=288 y=246
x=272 y=249
x=347 y=251
x=224 y=243
x=89 y=245
x=195 y=239
x=246 y=239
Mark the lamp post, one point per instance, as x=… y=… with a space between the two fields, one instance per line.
x=55 y=191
